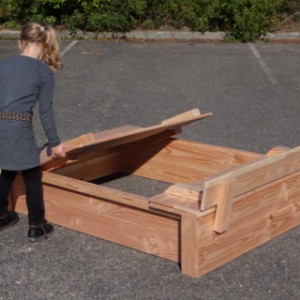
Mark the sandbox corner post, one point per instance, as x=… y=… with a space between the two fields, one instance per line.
x=189 y=245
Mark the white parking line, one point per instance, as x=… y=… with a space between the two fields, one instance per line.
x=73 y=43
x=263 y=64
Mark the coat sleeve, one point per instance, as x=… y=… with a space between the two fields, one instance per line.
x=46 y=111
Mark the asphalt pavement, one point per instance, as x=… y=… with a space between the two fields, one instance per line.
x=253 y=91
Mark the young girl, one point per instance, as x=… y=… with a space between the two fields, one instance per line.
x=26 y=79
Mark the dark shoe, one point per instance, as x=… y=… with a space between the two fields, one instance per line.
x=10 y=219
x=39 y=232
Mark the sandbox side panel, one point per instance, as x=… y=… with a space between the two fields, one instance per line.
x=252 y=175
x=175 y=160
x=256 y=218
x=121 y=224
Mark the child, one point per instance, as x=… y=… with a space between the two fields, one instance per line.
x=26 y=79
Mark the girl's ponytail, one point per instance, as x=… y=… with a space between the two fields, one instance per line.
x=51 y=49
x=38 y=32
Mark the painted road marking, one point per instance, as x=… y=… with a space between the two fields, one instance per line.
x=263 y=64
x=73 y=43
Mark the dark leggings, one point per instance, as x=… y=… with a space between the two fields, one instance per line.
x=34 y=193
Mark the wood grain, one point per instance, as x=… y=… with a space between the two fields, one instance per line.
x=224 y=205
x=253 y=175
x=256 y=218
x=138 y=229
x=179 y=161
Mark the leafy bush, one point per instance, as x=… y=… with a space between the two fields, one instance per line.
x=243 y=20
x=112 y=15
x=22 y=10
x=246 y=20
x=290 y=6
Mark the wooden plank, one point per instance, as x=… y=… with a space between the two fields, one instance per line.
x=122 y=135
x=77 y=142
x=90 y=153
x=142 y=133
x=175 y=204
x=179 y=161
x=94 y=168
x=224 y=205
x=252 y=175
x=95 y=190
x=186 y=191
x=276 y=150
x=79 y=157
x=128 y=226
x=158 y=169
x=162 y=136
x=268 y=199
x=79 y=146
x=109 y=133
x=183 y=117
x=189 y=245
x=284 y=213
x=209 y=159
x=257 y=217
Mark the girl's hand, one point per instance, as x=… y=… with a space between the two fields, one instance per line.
x=59 y=150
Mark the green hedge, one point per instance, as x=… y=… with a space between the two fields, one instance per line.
x=243 y=20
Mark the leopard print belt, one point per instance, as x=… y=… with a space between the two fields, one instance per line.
x=16 y=116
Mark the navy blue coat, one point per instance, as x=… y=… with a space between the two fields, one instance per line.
x=24 y=82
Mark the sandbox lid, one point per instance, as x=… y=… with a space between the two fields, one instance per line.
x=123 y=135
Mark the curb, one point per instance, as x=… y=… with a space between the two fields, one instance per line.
x=283 y=36
x=158 y=36
x=9 y=34
x=161 y=35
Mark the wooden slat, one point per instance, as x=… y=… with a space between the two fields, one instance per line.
x=183 y=117
x=179 y=161
x=187 y=191
x=122 y=135
x=224 y=205
x=276 y=150
x=256 y=218
x=268 y=199
x=79 y=144
x=93 y=168
x=110 y=133
x=142 y=133
x=95 y=190
x=252 y=175
x=189 y=245
x=90 y=153
x=175 y=204
x=159 y=169
x=125 y=225
x=162 y=136
x=85 y=139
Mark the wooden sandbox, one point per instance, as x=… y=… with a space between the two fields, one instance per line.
x=219 y=204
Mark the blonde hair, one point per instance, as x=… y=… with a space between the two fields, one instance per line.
x=38 y=32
